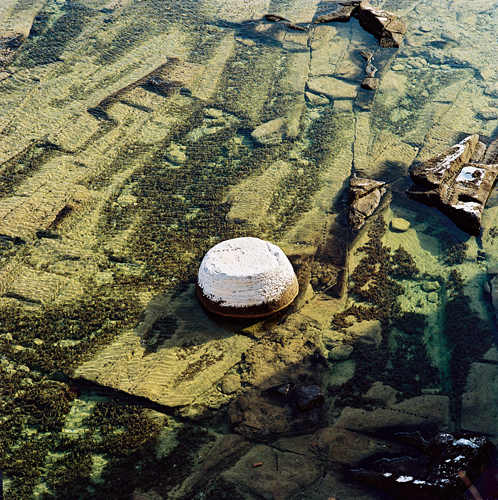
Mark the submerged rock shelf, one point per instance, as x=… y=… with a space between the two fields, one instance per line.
x=217 y=120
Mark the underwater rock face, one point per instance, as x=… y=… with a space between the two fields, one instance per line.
x=384 y=25
x=246 y=278
x=437 y=475
x=364 y=197
x=267 y=416
x=455 y=187
x=337 y=12
x=479 y=401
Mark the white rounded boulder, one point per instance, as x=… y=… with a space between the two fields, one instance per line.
x=246 y=278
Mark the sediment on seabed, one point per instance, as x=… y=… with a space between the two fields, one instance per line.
x=136 y=136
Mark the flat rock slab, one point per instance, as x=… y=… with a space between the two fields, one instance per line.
x=252 y=198
x=39 y=287
x=479 y=401
x=349 y=448
x=423 y=412
x=172 y=358
x=279 y=476
x=332 y=87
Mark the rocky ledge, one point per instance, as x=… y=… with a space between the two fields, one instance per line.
x=456 y=183
x=364 y=197
x=446 y=469
x=382 y=24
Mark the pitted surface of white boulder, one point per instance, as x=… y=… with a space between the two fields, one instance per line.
x=246 y=272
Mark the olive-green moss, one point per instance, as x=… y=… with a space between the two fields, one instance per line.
x=135 y=465
x=329 y=137
x=403 y=264
x=407 y=367
x=410 y=366
x=48 y=40
x=26 y=163
x=124 y=435
x=89 y=324
x=372 y=281
x=23 y=464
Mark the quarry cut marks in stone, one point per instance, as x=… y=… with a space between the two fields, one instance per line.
x=246 y=278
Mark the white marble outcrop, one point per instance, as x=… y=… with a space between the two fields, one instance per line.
x=246 y=277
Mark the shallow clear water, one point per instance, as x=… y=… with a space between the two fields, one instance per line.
x=127 y=151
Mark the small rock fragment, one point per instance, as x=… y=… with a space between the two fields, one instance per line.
x=369 y=332
x=273 y=18
x=281 y=390
x=370 y=83
x=293 y=26
x=317 y=100
x=230 y=384
x=370 y=70
x=213 y=113
x=340 y=353
x=366 y=55
x=270 y=133
x=430 y=286
x=308 y=397
x=399 y=225
x=175 y=154
x=364 y=197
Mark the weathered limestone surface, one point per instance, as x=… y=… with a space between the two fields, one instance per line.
x=425 y=412
x=332 y=87
x=334 y=444
x=272 y=132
